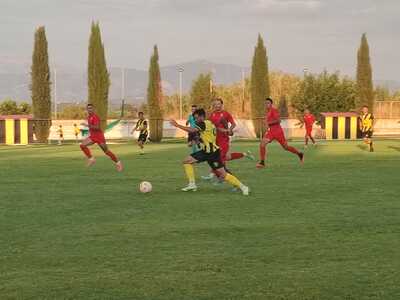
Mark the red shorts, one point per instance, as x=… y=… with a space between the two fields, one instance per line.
x=276 y=134
x=97 y=138
x=223 y=145
x=308 y=130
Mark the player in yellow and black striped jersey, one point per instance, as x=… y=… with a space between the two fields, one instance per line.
x=367 y=127
x=142 y=127
x=209 y=152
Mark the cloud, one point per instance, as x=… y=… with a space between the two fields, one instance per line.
x=285 y=4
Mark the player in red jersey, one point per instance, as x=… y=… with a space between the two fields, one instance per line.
x=96 y=136
x=274 y=132
x=225 y=124
x=309 y=121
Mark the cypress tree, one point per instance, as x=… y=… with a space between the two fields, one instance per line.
x=154 y=98
x=365 y=89
x=98 y=76
x=40 y=86
x=201 y=92
x=259 y=86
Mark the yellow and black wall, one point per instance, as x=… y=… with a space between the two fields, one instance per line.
x=16 y=131
x=340 y=126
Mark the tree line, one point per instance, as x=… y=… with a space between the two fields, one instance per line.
x=317 y=92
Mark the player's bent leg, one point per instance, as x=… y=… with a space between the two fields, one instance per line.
x=84 y=147
x=234 y=181
x=293 y=150
x=263 y=152
x=141 y=146
x=189 y=171
x=112 y=156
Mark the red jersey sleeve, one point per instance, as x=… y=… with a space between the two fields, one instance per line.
x=229 y=118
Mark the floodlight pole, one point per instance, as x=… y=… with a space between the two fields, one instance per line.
x=55 y=93
x=123 y=84
x=180 y=71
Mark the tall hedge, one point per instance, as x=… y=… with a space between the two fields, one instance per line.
x=154 y=98
x=40 y=86
x=365 y=89
x=260 y=88
x=98 y=76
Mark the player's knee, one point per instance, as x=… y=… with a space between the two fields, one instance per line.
x=221 y=173
x=187 y=161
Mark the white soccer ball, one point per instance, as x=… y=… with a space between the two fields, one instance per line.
x=145 y=187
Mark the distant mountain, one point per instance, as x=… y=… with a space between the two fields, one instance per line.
x=71 y=82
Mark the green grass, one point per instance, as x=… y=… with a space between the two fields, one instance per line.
x=327 y=230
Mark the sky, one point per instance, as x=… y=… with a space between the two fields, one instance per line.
x=312 y=34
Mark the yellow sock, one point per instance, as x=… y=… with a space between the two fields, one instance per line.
x=189 y=170
x=232 y=180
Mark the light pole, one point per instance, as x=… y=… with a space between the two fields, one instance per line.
x=122 y=91
x=243 y=89
x=55 y=93
x=305 y=71
x=123 y=84
x=180 y=71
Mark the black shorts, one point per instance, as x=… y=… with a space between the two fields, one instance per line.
x=142 y=137
x=367 y=134
x=212 y=158
x=193 y=137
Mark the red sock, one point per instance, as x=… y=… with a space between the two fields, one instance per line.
x=262 y=152
x=111 y=155
x=236 y=155
x=293 y=150
x=86 y=150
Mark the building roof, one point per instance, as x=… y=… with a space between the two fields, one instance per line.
x=16 y=117
x=339 y=114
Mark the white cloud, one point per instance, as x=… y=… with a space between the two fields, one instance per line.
x=284 y=4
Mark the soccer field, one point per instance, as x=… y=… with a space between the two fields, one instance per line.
x=329 y=229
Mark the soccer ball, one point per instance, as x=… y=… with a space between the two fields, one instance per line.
x=145 y=187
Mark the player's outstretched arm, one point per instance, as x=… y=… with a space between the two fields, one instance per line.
x=185 y=128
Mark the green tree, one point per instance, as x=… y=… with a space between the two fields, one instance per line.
x=9 y=107
x=365 y=89
x=325 y=93
x=202 y=93
x=259 y=85
x=98 y=76
x=154 y=98
x=40 y=86
x=73 y=112
x=24 y=108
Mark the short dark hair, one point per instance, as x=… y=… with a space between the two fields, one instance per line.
x=140 y=113
x=366 y=106
x=269 y=99
x=89 y=104
x=200 y=112
x=194 y=105
x=220 y=100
